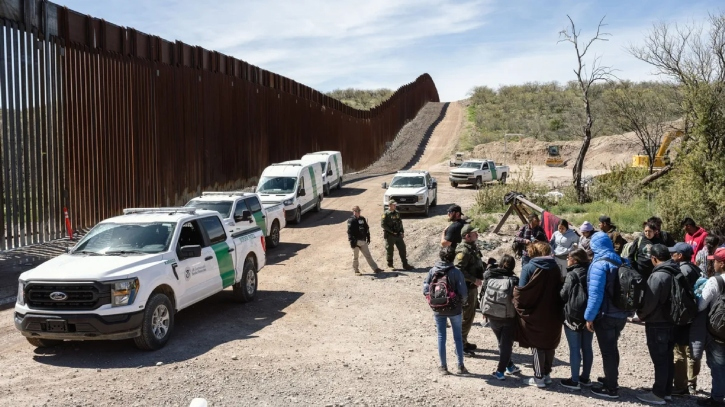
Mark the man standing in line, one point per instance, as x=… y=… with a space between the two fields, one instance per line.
x=606 y=226
x=527 y=234
x=694 y=236
x=658 y=326
x=394 y=234
x=452 y=234
x=469 y=261
x=358 y=234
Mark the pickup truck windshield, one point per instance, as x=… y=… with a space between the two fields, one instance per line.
x=124 y=238
x=277 y=185
x=408 y=182
x=224 y=208
x=471 y=165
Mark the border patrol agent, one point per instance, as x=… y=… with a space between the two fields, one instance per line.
x=469 y=261
x=393 y=227
x=358 y=234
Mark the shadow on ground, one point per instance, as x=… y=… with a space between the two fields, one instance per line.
x=283 y=252
x=203 y=326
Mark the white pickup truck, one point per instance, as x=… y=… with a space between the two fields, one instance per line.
x=478 y=172
x=414 y=191
x=130 y=274
x=244 y=210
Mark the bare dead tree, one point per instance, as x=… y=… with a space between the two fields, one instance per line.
x=585 y=79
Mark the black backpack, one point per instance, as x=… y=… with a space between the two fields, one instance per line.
x=441 y=296
x=716 y=317
x=629 y=288
x=576 y=305
x=683 y=305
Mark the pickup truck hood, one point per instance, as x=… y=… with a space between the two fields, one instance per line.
x=96 y=268
x=464 y=171
x=273 y=199
x=405 y=191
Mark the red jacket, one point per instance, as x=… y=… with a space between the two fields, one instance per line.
x=697 y=241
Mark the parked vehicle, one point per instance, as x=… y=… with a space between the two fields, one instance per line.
x=130 y=274
x=297 y=185
x=457 y=160
x=331 y=168
x=243 y=211
x=414 y=191
x=478 y=172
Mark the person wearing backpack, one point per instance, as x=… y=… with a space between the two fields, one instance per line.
x=604 y=318
x=574 y=296
x=658 y=324
x=686 y=367
x=639 y=254
x=606 y=226
x=713 y=304
x=562 y=242
x=497 y=305
x=447 y=281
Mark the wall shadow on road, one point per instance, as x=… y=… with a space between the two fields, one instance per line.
x=198 y=329
x=327 y=217
x=424 y=142
x=283 y=252
x=346 y=191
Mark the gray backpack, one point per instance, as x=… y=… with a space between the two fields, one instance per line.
x=498 y=298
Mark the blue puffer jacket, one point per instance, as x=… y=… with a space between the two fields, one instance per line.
x=600 y=282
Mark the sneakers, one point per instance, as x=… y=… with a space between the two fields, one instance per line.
x=498 y=375
x=513 y=369
x=585 y=382
x=650 y=398
x=605 y=392
x=547 y=379
x=570 y=384
x=390 y=265
x=710 y=402
x=692 y=389
x=600 y=379
x=532 y=381
x=469 y=347
x=357 y=273
x=462 y=369
x=443 y=370
x=668 y=398
x=378 y=270
x=680 y=392
x=408 y=267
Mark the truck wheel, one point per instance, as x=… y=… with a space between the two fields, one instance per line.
x=327 y=189
x=503 y=178
x=479 y=183
x=273 y=238
x=426 y=210
x=454 y=184
x=339 y=183
x=298 y=216
x=318 y=205
x=157 y=324
x=246 y=288
x=44 y=343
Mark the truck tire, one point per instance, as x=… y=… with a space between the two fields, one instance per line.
x=44 y=343
x=479 y=183
x=298 y=216
x=157 y=324
x=503 y=178
x=318 y=205
x=273 y=238
x=246 y=288
x=426 y=210
x=326 y=189
x=339 y=183
x=454 y=184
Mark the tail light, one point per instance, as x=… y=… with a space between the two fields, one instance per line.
x=264 y=244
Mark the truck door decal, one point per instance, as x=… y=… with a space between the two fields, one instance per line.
x=226 y=265
x=314 y=184
x=492 y=166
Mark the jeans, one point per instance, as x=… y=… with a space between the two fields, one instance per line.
x=715 y=353
x=504 y=331
x=661 y=345
x=580 y=348
x=457 y=337
x=469 y=311
x=608 y=330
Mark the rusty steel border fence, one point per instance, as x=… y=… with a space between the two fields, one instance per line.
x=97 y=117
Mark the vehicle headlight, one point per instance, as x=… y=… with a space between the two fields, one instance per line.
x=287 y=202
x=124 y=292
x=421 y=197
x=21 y=293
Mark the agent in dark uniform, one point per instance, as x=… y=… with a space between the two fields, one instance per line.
x=358 y=234
x=469 y=261
x=393 y=227
x=452 y=234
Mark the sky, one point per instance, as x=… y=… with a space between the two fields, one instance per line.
x=370 y=44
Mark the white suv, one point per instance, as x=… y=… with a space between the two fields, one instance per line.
x=414 y=191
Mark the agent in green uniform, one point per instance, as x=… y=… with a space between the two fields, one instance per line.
x=468 y=260
x=394 y=234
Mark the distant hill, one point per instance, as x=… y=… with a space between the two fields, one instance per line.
x=363 y=99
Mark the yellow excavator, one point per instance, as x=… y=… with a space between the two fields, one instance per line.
x=662 y=158
x=554 y=159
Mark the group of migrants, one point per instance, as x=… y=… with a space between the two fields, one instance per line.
x=588 y=282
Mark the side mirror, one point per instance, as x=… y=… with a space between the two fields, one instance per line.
x=329 y=172
x=301 y=192
x=246 y=216
x=433 y=185
x=385 y=185
x=187 y=252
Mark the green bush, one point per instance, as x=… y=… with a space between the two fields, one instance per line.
x=627 y=216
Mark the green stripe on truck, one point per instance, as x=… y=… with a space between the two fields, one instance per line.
x=314 y=182
x=226 y=265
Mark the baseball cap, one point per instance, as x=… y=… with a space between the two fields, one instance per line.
x=392 y=202
x=682 y=248
x=454 y=208
x=719 y=255
x=468 y=229
x=605 y=219
x=586 y=227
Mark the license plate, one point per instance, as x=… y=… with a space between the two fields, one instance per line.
x=57 y=326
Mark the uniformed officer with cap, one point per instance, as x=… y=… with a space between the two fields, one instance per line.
x=469 y=261
x=394 y=234
x=358 y=234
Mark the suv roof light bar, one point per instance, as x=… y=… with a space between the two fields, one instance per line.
x=172 y=210
x=224 y=193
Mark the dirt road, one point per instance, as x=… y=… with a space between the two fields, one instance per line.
x=317 y=335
